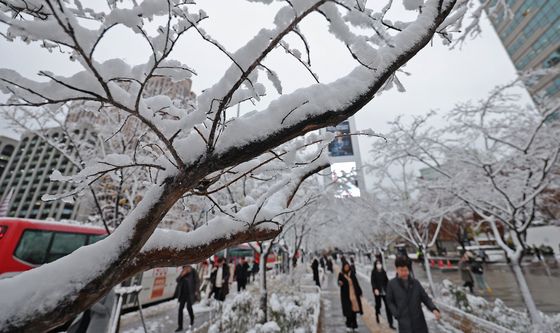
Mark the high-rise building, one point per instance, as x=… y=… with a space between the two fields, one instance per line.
x=27 y=173
x=346 y=162
x=7 y=147
x=532 y=39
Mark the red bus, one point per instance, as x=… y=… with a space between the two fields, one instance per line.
x=25 y=243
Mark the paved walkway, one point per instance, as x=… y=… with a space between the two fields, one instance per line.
x=162 y=318
x=332 y=319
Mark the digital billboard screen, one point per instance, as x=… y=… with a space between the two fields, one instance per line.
x=341 y=145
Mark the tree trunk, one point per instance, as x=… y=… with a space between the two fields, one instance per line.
x=263 y=301
x=429 y=274
x=534 y=314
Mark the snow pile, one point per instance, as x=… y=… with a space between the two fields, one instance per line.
x=496 y=312
x=288 y=311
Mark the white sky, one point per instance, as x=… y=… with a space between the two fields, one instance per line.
x=440 y=77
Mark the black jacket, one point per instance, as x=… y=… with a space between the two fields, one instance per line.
x=187 y=287
x=379 y=280
x=315 y=269
x=241 y=272
x=345 y=293
x=406 y=305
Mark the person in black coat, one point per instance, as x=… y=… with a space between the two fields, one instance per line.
x=405 y=296
x=241 y=274
x=315 y=269
x=188 y=284
x=379 y=283
x=329 y=265
x=220 y=280
x=350 y=293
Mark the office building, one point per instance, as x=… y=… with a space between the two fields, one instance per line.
x=531 y=37
x=28 y=172
x=7 y=147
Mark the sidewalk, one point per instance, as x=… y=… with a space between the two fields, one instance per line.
x=162 y=318
x=332 y=319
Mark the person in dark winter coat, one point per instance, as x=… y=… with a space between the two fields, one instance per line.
x=220 y=280
x=241 y=274
x=405 y=296
x=352 y=265
x=254 y=269
x=188 y=285
x=379 y=283
x=315 y=269
x=465 y=270
x=350 y=293
x=478 y=273
x=329 y=265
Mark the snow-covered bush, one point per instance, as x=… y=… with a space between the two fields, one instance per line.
x=289 y=312
x=496 y=312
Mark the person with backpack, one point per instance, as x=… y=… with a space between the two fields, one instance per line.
x=478 y=273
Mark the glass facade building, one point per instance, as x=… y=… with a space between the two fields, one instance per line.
x=531 y=37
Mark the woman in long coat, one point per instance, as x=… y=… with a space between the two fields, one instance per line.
x=350 y=293
x=188 y=285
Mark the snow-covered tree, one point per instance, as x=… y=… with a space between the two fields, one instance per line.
x=193 y=149
x=498 y=158
x=407 y=206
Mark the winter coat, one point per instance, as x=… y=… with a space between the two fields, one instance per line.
x=329 y=265
x=465 y=270
x=241 y=272
x=224 y=290
x=406 y=305
x=187 y=287
x=345 y=293
x=315 y=268
x=476 y=268
x=379 y=280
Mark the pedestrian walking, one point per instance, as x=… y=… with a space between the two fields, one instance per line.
x=315 y=269
x=350 y=293
x=188 y=284
x=329 y=265
x=379 y=281
x=241 y=274
x=465 y=271
x=220 y=280
x=405 y=296
x=254 y=269
x=478 y=273
x=352 y=265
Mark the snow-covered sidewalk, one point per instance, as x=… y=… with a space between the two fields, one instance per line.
x=162 y=318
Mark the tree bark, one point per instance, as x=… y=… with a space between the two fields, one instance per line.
x=534 y=314
x=263 y=300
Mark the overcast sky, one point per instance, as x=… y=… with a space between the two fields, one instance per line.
x=439 y=78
